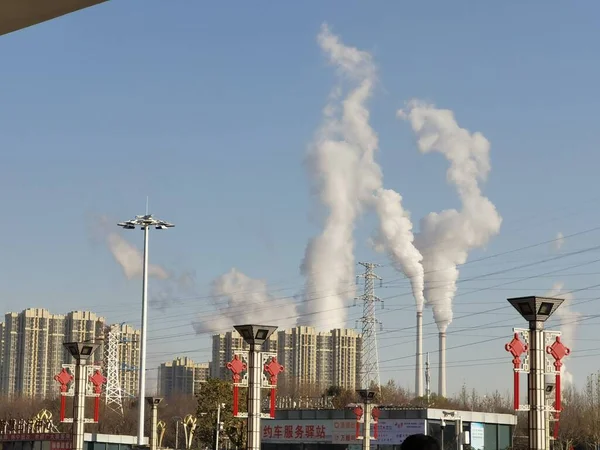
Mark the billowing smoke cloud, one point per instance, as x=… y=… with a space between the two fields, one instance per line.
x=395 y=236
x=559 y=241
x=128 y=256
x=345 y=176
x=446 y=238
x=567 y=319
x=239 y=299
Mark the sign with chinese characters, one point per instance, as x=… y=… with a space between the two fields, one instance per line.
x=477 y=436
x=296 y=430
x=391 y=431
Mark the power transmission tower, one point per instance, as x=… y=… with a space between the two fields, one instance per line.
x=114 y=396
x=369 y=371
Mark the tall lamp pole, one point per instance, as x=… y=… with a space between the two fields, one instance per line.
x=536 y=310
x=144 y=222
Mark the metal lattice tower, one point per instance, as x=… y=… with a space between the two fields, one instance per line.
x=369 y=370
x=114 y=396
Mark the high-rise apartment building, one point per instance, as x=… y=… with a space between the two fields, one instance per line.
x=85 y=326
x=32 y=350
x=225 y=346
x=181 y=376
x=297 y=351
x=346 y=349
x=311 y=358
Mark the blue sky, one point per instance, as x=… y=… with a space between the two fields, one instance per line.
x=208 y=109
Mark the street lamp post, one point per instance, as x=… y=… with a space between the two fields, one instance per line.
x=81 y=352
x=536 y=310
x=177 y=419
x=144 y=222
x=218 y=431
x=254 y=336
x=154 y=402
x=367 y=397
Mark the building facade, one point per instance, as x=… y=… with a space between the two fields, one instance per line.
x=312 y=359
x=182 y=376
x=225 y=346
x=32 y=351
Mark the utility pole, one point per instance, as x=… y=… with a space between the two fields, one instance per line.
x=114 y=394
x=369 y=371
x=218 y=431
x=427 y=379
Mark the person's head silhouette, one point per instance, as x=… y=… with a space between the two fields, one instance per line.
x=419 y=442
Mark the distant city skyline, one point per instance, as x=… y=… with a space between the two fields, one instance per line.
x=217 y=121
x=33 y=352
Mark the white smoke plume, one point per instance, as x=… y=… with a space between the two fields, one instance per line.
x=127 y=255
x=131 y=259
x=559 y=241
x=345 y=176
x=239 y=299
x=446 y=238
x=395 y=236
x=567 y=319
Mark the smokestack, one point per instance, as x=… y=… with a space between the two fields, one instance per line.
x=442 y=376
x=419 y=365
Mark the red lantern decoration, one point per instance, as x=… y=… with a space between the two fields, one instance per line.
x=516 y=348
x=375 y=413
x=64 y=378
x=358 y=412
x=273 y=368
x=97 y=380
x=237 y=367
x=558 y=351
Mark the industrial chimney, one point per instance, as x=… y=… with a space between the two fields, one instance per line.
x=419 y=362
x=442 y=376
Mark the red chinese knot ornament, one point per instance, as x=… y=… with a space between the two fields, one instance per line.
x=236 y=366
x=516 y=348
x=558 y=351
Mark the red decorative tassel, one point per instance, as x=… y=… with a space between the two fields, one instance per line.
x=557 y=404
x=272 y=403
x=63 y=407
x=357 y=429
x=235 y=400
x=96 y=409
x=516 y=388
x=376 y=430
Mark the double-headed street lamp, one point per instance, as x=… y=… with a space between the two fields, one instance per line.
x=536 y=311
x=255 y=336
x=81 y=352
x=144 y=222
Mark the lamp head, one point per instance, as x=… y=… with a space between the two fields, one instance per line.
x=255 y=335
x=536 y=309
x=154 y=401
x=81 y=351
x=366 y=395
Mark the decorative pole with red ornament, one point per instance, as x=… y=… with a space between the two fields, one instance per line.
x=237 y=367
x=358 y=412
x=273 y=369
x=558 y=351
x=97 y=379
x=64 y=378
x=517 y=348
x=536 y=310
